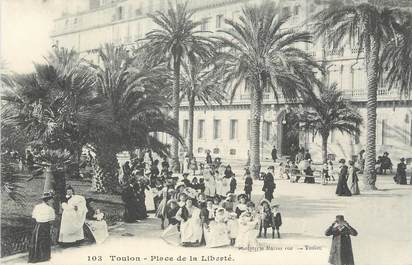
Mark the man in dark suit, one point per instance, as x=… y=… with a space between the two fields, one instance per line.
x=269 y=184
x=341 y=249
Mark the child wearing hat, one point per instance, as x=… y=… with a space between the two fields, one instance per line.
x=266 y=217
x=248 y=184
x=276 y=220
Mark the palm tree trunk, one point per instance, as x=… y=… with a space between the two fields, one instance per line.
x=55 y=179
x=372 y=68
x=175 y=107
x=191 y=111
x=325 y=147
x=106 y=175
x=256 y=112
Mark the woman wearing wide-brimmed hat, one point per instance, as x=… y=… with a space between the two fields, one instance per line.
x=40 y=243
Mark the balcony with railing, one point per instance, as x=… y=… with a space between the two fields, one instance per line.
x=383 y=94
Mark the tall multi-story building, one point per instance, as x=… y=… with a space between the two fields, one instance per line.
x=225 y=129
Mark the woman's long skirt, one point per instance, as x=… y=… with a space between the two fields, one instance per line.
x=355 y=188
x=40 y=243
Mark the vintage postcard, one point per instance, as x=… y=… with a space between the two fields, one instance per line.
x=206 y=132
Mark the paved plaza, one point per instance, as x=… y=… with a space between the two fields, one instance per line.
x=383 y=219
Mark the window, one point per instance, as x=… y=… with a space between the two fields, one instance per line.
x=219 y=21
x=286 y=11
x=232 y=152
x=216 y=129
x=357 y=140
x=233 y=129
x=384 y=131
x=205 y=24
x=334 y=76
x=119 y=13
x=296 y=10
x=200 y=150
x=200 y=129
x=266 y=130
x=410 y=132
x=216 y=151
x=185 y=128
x=359 y=81
x=248 y=129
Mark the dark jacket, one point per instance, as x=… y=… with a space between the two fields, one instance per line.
x=341 y=249
x=248 y=184
x=209 y=159
x=268 y=182
x=274 y=154
x=233 y=185
x=171 y=216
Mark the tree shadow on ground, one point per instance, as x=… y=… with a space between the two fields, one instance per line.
x=298 y=206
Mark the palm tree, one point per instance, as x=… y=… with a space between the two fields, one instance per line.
x=257 y=53
x=372 y=25
x=202 y=81
x=397 y=57
x=329 y=112
x=131 y=93
x=51 y=109
x=175 y=37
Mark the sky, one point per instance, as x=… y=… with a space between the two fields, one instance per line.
x=25 y=28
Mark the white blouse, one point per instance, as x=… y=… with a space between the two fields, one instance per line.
x=43 y=213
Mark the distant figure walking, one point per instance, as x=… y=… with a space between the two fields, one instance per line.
x=353 y=175
x=342 y=187
x=274 y=154
x=341 y=249
x=400 y=177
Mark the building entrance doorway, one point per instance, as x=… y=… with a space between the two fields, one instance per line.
x=289 y=134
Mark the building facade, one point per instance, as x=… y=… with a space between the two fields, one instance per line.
x=225 y=129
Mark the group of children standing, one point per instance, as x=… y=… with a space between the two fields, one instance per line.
x=196 y=219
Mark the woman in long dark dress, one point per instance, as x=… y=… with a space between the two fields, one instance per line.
x=130 y=204
x=342 y=188
x=40 y=243
x=400 y=177
x=140 y=188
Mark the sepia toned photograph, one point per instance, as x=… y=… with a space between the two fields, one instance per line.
x=241 y=132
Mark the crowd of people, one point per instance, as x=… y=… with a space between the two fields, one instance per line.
x=200 y=206
x=199 y=209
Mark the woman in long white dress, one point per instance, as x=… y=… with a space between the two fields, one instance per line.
x=190 y=225
x=217 y=234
